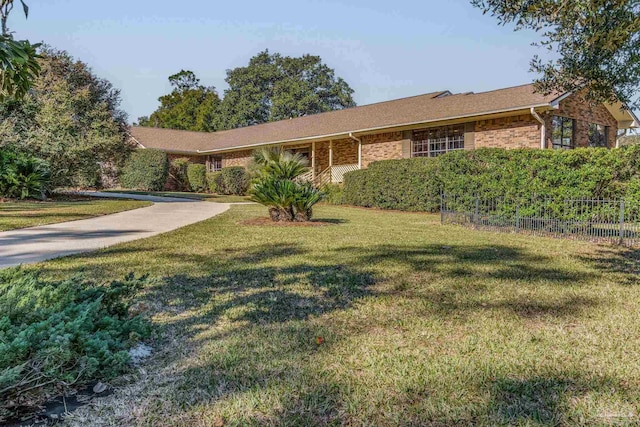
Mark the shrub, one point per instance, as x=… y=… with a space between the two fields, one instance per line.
x=233 y=180
x=334 y=193
x=415 y=184
x=22 y=176
x=146 y=169
x=212 y=181
x=178 y=177
x=62 y=332
x=275 y=185
x=197 y=174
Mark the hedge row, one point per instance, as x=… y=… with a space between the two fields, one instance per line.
x=416 y=184
x=145 y=170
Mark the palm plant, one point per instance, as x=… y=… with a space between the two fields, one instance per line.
x=23 y=176
x=274 y=185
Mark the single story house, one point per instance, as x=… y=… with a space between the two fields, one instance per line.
x=340 y=141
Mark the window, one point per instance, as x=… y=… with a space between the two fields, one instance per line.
x=214 y=163
x=436 y=141
x=598 y=135
x=562 y=133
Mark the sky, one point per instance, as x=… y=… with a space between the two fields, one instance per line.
x=383 y=49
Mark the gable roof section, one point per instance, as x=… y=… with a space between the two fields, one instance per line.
x=431 y=107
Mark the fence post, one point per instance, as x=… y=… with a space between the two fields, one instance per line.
x=517 y=217
x=621 y=221
x=477 y=215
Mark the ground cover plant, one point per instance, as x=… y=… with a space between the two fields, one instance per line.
x=58 y=334
x=384 y=318
x=22 y=214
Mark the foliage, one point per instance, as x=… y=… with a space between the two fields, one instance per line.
x=596 y=44
x=57 y=333
x=197 y=174
x=22 y=176
x=233 y=180
x=334 y=193
x=71 y=118
x=18 y=59
x=146 y=169
x=212 y=181
x=275 y=87
x=190 y=106
x=275 y=185
x=178 y=178
x=415 y=184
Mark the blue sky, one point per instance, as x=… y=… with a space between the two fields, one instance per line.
x=383 y=49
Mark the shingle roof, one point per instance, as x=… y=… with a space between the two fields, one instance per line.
x=429 y=107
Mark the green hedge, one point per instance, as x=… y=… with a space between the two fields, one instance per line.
x=146 y=169
x=197 y=175
x=178 y=178
x=416 y=184
x=232 y=180
x=212 y=181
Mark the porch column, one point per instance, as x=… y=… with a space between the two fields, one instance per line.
x=313 y=161
x=359 y=154
x=330 y=160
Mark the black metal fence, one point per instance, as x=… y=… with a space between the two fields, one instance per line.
x=599 y=220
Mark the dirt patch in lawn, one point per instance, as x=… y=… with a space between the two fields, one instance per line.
x=267 y=221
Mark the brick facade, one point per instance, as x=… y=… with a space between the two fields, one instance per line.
x=521 y=131
x=237 y=158
x=583 y=113
x=384 y=146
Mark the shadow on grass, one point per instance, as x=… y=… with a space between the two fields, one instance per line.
x=271 y=291
x=619 y=260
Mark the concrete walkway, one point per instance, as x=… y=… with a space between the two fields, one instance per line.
x=30 y=245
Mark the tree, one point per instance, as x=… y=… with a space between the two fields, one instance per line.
x=71 y=118
x=18 y=59
x=190 y=106
x=275 y=87
x=597 y=43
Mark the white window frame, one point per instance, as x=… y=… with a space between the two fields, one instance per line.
x=433 y=142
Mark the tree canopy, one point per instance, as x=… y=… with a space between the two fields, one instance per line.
x=271 y=87
x=70 y=117
x=597 y=43
x=189 y=106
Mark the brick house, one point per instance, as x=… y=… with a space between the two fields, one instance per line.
x=425 y=125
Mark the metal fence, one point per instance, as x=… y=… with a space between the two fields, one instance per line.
x=599 y=220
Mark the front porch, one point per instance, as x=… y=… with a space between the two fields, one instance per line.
x=330 y=160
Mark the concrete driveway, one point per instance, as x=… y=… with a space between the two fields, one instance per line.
x=30 y=245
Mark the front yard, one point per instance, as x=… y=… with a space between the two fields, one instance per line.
x=29 y=213
x=379 y=318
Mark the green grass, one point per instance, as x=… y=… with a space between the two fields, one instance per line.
x=384 y=318
x=28 y=213
x=220 y=198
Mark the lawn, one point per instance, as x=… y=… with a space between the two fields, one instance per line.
x=22 y=214
x=220 y=198
x=381 y=318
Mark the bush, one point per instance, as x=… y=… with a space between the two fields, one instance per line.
x=334 y=193
x=233 y=180
x=55 y=333
x=178 y=177
x=22 y=176
x=197 y=174
x=212 y=181
x=415 y=184
x=146 y=169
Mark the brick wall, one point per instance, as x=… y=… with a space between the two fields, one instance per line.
x=522 y=131
x=192 y=159
x=583 y=113
x=237 y=158
x=383 y=146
